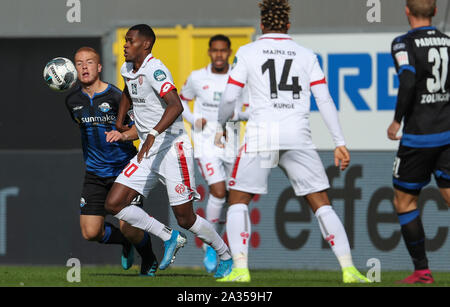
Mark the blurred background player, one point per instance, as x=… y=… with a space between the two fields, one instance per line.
x=280 y=76
x=93 y=106
x=206 y=86
x=165 y=152
x=423 y=103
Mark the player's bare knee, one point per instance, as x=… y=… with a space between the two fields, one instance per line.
x=91 y=234
x=404 y=202
x=218 y=193
x=218 y=190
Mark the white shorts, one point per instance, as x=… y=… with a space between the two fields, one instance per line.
x=303 y=168
x=173 y=166
x=214 y=169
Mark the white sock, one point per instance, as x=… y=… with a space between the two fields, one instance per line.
x=238 y=234
x=205 y=232
x=213 y=211
x=334 y=232
x=138 y=218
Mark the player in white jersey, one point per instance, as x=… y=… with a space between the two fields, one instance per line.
x=165 y=153
x=280 y=76
x=206 y=86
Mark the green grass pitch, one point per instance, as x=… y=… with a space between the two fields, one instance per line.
x=114 y=276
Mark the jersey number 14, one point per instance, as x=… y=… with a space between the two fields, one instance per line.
x=282 y=86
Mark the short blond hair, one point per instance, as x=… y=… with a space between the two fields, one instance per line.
x=89 y=49
x=422 y=8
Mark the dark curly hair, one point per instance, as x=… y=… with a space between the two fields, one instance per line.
x=275 y=14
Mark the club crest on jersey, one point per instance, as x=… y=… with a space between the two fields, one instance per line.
x=82 y=202
x=141 y=80
x=159 y=75
x=180 y=188
x=104 y=107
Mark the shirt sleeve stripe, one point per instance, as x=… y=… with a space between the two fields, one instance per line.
x=406 y=67
x=323 y=81
x=232 y=81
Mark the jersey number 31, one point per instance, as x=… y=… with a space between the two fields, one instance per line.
x=282 y=86
x=439 y=59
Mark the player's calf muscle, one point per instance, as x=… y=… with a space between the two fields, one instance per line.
x=239 y=197
x=185 y=215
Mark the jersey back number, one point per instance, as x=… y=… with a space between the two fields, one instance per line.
x=283 y=85
x=439 y=59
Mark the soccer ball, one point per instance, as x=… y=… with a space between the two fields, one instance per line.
x=60 y=74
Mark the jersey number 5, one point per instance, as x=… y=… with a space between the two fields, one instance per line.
x=439 y=59
x=282 y=86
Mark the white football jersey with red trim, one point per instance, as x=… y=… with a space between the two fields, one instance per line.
x=279 y=74
x=147 y=87
x=207 y=88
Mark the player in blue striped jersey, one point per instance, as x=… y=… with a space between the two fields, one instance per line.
x=93 y=105
x=421 y=58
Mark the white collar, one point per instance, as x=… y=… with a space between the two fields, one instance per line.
x=146 y=60
x=276 y=36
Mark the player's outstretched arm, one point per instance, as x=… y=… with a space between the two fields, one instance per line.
x=117 y=136
x=124 y=106
x=173 y=110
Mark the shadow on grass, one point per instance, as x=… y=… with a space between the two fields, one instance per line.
x=143 y=276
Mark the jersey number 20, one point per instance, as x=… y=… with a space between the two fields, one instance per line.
x=282 y=86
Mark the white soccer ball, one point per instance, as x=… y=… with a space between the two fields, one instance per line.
x=60 y=74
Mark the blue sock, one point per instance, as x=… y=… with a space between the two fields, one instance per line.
x=113 y=235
